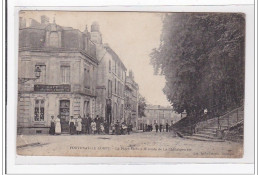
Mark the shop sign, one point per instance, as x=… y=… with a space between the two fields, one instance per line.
x=52 y=88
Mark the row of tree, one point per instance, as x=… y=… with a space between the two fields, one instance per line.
x=202 y=56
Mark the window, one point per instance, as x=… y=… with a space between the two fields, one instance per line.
x=122 y=111
x=109 y=88
x=65 y=74
x=39 y=110
x=118 y=88
x=109 y=65
x=54 y=39
x=42 y=78
x=87 y=78
x=115 y=86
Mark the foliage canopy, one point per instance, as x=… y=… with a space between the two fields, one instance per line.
x=201 y=56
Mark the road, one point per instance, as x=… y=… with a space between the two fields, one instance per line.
x=148 y=144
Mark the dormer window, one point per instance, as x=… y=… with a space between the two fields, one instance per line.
x=54 y=39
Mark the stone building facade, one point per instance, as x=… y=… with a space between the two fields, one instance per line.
x=160 y=115
x=67 y=84
x=131 y=100
x=111 y=76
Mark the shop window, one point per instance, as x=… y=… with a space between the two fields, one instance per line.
x=39 y=110
x=65 y=74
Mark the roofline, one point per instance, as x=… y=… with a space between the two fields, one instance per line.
x=62 y=49
x=117 y=57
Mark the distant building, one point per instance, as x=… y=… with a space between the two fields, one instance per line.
x=131 y=100
x=111 y=77
x=67 y=60
x=160 y=115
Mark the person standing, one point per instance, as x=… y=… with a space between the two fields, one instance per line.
x=156 y=127
x=72 y=125
x=52 y=127
x=57 y=126
x=98 y=124
x=102 y=128
x=84 y=125
x=160 y=128
x=88 y=124
x=167 y=127
x=117 y=127
x=93 y=127
x=79 y=125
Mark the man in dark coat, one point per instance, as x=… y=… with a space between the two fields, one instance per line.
x=160 y=127
x=156 y=127
x=84 y=124
x=167 y=127
x=52 y=128
x=98 y=120
x=117 y=127
x=88 y=124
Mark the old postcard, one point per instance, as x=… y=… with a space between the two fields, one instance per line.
x=131 y=84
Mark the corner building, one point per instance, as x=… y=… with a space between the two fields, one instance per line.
x=67 y=83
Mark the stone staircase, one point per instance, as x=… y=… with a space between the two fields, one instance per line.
x=213 y=129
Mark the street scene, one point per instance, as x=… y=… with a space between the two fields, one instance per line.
x=131 y=84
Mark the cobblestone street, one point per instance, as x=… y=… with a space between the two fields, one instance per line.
x=140 y=144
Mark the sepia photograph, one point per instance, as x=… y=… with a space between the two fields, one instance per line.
x=131 y=84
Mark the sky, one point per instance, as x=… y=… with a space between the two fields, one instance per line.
x=132 y=35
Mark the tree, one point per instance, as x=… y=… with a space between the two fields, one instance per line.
x=201 y=56
x=141 y=106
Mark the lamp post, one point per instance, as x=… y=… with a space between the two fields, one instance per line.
x=37 y=72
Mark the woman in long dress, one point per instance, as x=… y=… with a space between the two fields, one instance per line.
x=57 y=126
x=72 y=125
x=93 y=127
x=52 y=127
x=79 y=125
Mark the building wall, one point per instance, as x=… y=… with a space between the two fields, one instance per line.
x=159 y=115
x=68 y=76
x=131 y=100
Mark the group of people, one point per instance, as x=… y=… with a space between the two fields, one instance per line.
x=158 y=127
x=87 y=125
x=121 y=129
x=55 y=127
x=161 y=127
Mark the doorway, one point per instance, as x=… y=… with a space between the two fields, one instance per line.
x=64 y=115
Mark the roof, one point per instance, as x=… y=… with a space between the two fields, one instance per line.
x=114 y=55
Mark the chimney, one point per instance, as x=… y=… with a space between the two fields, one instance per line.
x=44 y=19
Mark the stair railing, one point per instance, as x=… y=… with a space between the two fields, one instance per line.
x=227 y=116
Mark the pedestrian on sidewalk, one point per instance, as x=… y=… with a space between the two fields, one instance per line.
x=117 y=126
x=52 y=127
x=160 y=128
x=167 y=127
x=57 y=126
x=98 y=120
x=156 y=127
x=72 y=125
x=93 y=127
x=102 y=128
x=88 y=124
x=84 y=125
x=79 y=125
